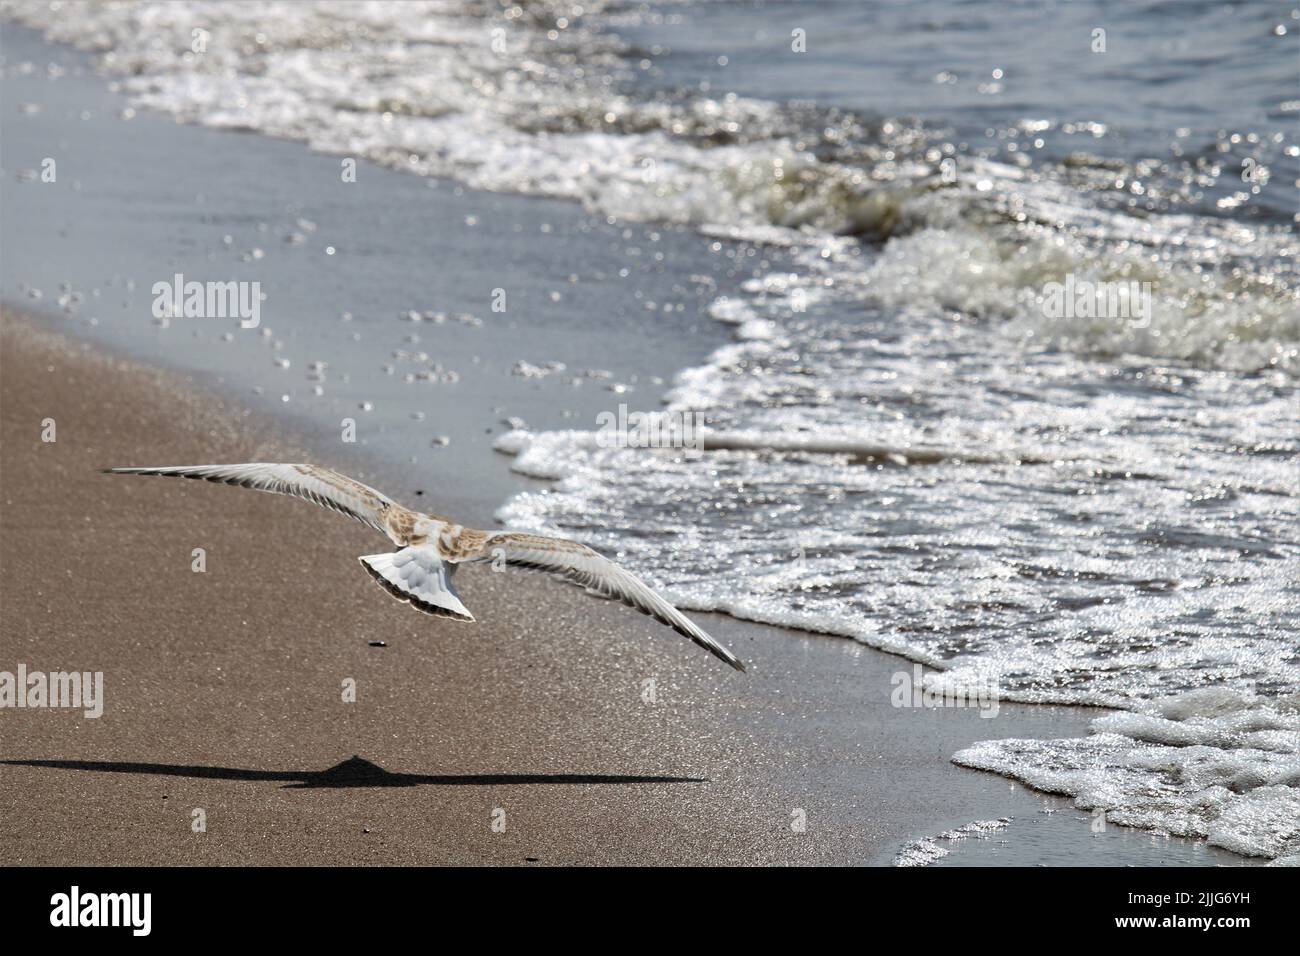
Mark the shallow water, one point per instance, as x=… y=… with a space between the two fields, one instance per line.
x=905 y=444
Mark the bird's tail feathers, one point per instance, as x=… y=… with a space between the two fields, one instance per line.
x=418 y=575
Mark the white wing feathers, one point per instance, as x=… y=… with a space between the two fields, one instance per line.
x=321 y=486
x=579 y=564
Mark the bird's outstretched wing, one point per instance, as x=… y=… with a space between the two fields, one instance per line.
x=568 y=559
x=321 y=486
x=580 y=565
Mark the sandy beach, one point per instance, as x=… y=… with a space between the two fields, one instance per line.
x=223 y=688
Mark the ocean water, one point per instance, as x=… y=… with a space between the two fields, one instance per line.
x=909 y=443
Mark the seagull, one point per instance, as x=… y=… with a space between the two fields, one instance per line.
x=430 y=547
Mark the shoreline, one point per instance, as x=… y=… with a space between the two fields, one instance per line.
x=222 y=688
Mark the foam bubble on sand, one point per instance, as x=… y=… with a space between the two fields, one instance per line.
x=929 y=850
x=1212 y=763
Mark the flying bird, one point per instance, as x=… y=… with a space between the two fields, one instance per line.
x=431 y=547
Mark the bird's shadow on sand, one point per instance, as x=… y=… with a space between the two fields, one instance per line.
x=353 y=772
